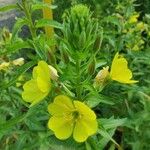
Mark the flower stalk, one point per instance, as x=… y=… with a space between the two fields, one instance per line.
x=48 y=14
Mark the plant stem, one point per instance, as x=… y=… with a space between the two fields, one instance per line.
x=29 y=17
x=48 y=14
x=78 y=85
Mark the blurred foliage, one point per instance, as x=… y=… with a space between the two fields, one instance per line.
x=85 y=41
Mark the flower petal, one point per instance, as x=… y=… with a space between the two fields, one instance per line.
x=84 y=110
x=62 y=104
x=42 y=71
x=32 y=93
x=119 y=70
x=62 y=127
x=84 y=128
x=43 y=85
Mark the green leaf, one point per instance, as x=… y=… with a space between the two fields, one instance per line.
x=18 y=25
x=19 y=71
x=106 y=135
x=107 y=129
x=40 y=5
x=87 y=145
x=93 y=99
x=12 y=122
x=68 y=144
x=112 y=123
x=46 y=22
x=15 y=46
x=8 y=7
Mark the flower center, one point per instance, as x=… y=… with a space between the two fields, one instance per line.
x=75 y=114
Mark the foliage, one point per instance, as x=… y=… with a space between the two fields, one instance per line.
x=112 y=33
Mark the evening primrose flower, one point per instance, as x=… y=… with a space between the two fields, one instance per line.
x=4 y=65
x=39 y=86
x=71 y=117
x=120 y=71
x=133 y=18
x=18 y=62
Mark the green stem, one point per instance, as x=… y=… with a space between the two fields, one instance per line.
x=29 y=17
x=67 y=90
x=78 y=85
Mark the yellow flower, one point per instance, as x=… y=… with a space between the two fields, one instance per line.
x=39 y=86
x=140 y=26
x=71 y=117
x=120 y=71
x=133 y=18
x=4 y=65
x=20 y=79
x=18 y=62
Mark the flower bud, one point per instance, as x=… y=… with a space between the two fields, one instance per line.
x=91 y=67
x=101 y=77
x=53 y=73
x=18 y=62
x=4 y=65
x=6 y=35
x=134 y=18
x=140 y=26
x=102 y=74
x=80 y=10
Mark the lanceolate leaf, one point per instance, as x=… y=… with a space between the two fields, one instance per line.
x=42 y=5
x=18 y=25
x=10 y=123
x=15 y=46
x=46 y=22
x=8 y=7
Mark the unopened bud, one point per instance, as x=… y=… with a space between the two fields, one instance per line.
x=6 y=35
x=101 y=77
x=4 y=65
x=53 y=73
x=133 y=18
x=18 y=62
x=91 y=67
x=65 y=57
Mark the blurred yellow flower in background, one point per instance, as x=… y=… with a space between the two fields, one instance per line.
x=39 y=86
x=133 y=18
x=120 y=71
x=18 y=62
x=71 y=117
x=4 y=65
x=141 y=26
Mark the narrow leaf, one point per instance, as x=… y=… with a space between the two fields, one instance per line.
x=42 y=5
x=46 y=22
x=8 y=7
